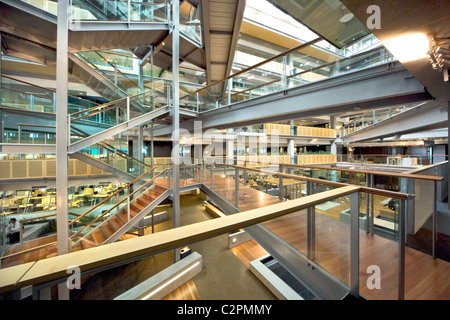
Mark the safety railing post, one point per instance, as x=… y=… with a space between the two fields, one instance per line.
x=244 y=173
x=198 y=102
x=434 y=221
x=128 y=108
x=311 y=217
x=367 y=203
x=236 y=186
x=128 y=207
x=354 y=244
x=168 y=179
x=212 y=175
x=401 y=245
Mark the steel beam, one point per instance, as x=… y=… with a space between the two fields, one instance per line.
x=424 y=117
x=371 y=88
x=100 y=136
x=102 y=166
x=89 y=26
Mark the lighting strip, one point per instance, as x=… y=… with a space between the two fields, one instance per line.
x=170 y=281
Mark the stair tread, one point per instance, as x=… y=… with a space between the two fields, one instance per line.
x=144 y=201
x=87 y=242
x=149 y=197
x=77 y=247
x=98 y=237
x=115 y=222
x=153 y=194
x=138 y=206
x=107 y=229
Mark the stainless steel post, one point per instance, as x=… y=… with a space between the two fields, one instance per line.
x=401 y=245
x=311 y=224
x=62 y=218
x=176 y=116
x=236 y=186
x=354 y=244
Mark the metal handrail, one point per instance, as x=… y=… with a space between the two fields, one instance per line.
x=117 y=204
x=302 y=46
x=111 y=104
x=48 y=89
x=398 y=195
x=391 y=174
x=112 y=195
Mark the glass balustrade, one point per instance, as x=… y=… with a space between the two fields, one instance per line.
x=119 y=111
x=280 y=73
x=24 y=95
x=323 y=232
x=375 y=116
x=120 y=10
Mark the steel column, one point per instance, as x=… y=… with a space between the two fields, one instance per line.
x=62 y=218
x=176 y=116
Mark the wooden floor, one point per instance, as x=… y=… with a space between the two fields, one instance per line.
x=249 y=251
x=425 y=278
x=187 y=291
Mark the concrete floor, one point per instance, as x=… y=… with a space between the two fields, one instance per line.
x=224 y=276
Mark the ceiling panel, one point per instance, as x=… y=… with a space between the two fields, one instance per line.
x=327 y=18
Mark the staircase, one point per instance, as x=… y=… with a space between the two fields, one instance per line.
x=119 y=223
x=94 y=80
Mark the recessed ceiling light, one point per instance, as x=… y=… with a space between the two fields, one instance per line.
x=346 y=18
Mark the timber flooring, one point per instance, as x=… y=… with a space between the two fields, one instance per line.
x=425 y=278
x=249 y=251
x=187 y=291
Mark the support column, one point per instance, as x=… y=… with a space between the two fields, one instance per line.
x=229 y=148
x=176 y=117
x=140 y=148
x=333 y=122
x=291 y=150
x=62 y=138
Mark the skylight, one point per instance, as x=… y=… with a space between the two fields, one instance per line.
x=268 y=16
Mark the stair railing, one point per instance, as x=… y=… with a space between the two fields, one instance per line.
x=128 y=200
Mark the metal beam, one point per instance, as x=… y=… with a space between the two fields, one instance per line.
x=139 y=121
x=117 y=26
x=102 y=166
x=366 y=89
x=425 y=117
x=15 y=148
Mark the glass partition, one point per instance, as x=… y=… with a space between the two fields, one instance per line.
x=120 y=10
x=294 y=69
